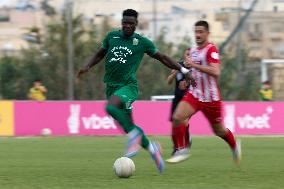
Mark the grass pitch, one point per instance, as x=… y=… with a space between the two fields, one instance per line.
x=86 y=163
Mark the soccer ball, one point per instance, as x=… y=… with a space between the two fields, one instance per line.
x=46 y=132
x=124 y=167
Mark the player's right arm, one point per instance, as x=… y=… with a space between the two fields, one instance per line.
x=97 y=57
x=93 y=61
x=212 y=57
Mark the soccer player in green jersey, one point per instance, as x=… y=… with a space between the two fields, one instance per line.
x=124 y=50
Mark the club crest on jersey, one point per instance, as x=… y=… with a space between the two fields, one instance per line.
x=135 y=41
x=215 y=55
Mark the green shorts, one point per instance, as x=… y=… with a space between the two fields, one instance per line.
x=127 y=93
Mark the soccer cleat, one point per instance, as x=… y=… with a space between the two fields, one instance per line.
x=133 y=144
x=237 y=152
x=174 y=151
x=179 y=156
x=157 y=157
x=189 y=146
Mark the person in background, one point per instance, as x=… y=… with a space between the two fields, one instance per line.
x=38 y=91
x=266 y=93
x=181 y=86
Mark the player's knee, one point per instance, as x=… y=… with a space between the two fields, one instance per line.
x=115 y=101
x=176 y=119
x=219 y=131
x=110 y=109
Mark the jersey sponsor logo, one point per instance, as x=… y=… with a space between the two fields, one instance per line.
x=194 y=55
x=197 y=62
x=120 y=54
x=215 y=55
x=135 y=41
x=116 y=37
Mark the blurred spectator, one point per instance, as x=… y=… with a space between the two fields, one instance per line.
x=181 y=86
x=266 y=93
x=37 y=92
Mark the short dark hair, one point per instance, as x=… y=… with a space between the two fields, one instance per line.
x=130 y=12
x=267 y=82
x=37 y=80
x=202 y=23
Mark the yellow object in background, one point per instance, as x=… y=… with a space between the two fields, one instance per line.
x=6 y=118
x=266 y=94
x=37 y=93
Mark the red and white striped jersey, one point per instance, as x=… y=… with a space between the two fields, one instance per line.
x=207 y=89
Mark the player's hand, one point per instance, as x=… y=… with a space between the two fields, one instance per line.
x=42 y=88
x=189 y=80
x=188 y=63
x=174 y=71
x=82 y=71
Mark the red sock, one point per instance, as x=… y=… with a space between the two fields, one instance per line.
x=174 y=137
x=179 y=136
x=230 y=139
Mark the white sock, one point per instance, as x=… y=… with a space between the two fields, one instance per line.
x=132 y=133
x=151 y=148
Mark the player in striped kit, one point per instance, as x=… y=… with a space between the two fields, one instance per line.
x=205 y=96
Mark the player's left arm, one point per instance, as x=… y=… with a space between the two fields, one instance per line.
x=152 y=51
x=172 y=76
x=167 y=61
x=213 y=69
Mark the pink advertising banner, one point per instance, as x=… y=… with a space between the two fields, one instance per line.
x=90 y=118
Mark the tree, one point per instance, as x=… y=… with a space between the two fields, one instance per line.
x=239 y=82
x=8 y=78
x=152 y=75
x=48 y=10
x=47 y=61
x=33 y=35
x=84 y=41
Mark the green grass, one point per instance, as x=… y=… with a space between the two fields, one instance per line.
x=86 y=163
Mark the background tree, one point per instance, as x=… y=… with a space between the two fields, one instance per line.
x=47 y=60
x=239 y=81
x=152 y=75
x=48 y=10
x=9 y=72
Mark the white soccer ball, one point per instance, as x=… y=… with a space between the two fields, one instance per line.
x=46 y=132
x=124 y=167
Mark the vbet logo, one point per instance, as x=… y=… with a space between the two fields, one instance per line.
x=247 y=121
x=93 y=122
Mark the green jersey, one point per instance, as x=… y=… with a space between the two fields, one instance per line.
x=124 y=56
